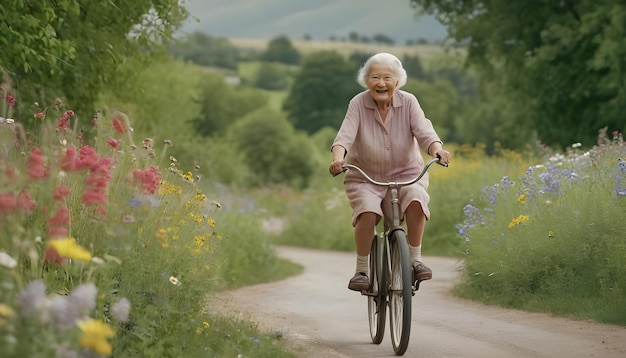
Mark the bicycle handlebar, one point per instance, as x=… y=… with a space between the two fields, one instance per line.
x=372 y=181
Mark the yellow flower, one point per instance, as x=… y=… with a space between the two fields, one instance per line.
x=68 y=248
x=550 y=233
x=518 y=220
x=521 y=198
x=95 y=334
x=6 y=311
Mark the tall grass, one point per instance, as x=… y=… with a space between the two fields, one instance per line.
x=109 y=246
x=553 y=239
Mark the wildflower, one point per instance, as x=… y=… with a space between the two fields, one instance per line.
x=11 y=100
x=518 y=220
x=113 y=143
x=118 y=126
x=7 y=261
x=59 y=223
x=23 y=201
x=149 y=178
x=39 y=115
x=550 y=233
x=147 y=143
x=174 y=281
x=121 y=310
x=7 y=202
x=167 y=142
x=69 y=162
x=60 y=192
x=64 y=121
x=68 y=248
x=95 y=334
x=83 y=297
x=51 y=256
x=6 y=311
x=35 y=164
x=62 y=312
x=32 y=298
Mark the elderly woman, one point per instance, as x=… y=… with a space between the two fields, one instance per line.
x=383 y=132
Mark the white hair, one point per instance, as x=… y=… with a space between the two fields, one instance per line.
x=382 y=58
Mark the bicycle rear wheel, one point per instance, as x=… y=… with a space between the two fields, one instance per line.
x=400 y=292
x=377 y=301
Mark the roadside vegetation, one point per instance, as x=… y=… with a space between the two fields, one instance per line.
x=138 y=183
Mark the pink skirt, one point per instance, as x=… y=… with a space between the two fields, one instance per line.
x=366 y=197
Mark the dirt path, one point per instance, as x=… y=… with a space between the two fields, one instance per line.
x=321 y=318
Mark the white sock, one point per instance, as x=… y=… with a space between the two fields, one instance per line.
x=415 y=252
x=362 y=264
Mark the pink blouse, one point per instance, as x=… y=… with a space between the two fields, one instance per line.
x=386 y=151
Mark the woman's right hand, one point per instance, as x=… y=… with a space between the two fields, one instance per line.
x=336 y=167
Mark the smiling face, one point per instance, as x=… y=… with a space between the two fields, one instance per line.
x=382 y=83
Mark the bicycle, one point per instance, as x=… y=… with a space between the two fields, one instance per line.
x=391 y=274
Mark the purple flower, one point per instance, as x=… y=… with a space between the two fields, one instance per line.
x=32 y=298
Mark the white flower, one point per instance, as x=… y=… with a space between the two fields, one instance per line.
x=83 y=297
x=121 y=309
x=7 y=261
x=174 y=281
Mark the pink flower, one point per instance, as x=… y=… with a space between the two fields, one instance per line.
x=52 y=256
x=7 y=203
x=64 y=121
x=39 y=115
x=58 y=223
x=35 y=165
x=149 y=178
x=11 y=100
x=118 y=126
x=93 y=197
x=113 y=143
x=60 y=192
x=24 y=201
x=88 y=157
x=69 y=162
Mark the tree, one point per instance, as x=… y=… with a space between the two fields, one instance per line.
x=563 y=63
x=205 y=50
x=221 y=105
x=280 y=49
x=72 y=48
x=271 y=76
x=273 y=151
x=321 y=91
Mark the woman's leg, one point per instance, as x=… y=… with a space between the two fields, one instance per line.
x=364 y=232
x=363 y=236
x=415 y=222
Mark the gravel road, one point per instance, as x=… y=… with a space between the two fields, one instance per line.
x=320 y=318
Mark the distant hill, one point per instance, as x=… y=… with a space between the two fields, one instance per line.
x=319 y=19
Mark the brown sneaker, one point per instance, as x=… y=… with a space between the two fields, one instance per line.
x=421 y=271
x=359 y=282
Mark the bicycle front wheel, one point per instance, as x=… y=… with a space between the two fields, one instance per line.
x=400 y=292
x=377 y=300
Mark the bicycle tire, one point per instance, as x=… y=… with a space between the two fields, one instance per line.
x=400 y=292
x=377 y=302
